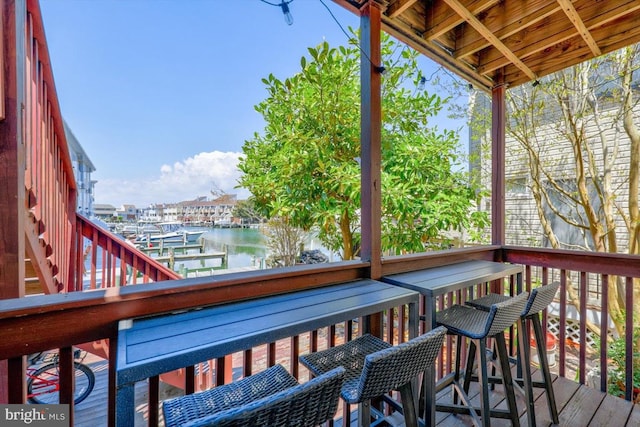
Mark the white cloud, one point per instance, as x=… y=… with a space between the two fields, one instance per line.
x=185 y=180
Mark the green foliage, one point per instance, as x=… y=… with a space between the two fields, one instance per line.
x=305 y=165
x=617 y=351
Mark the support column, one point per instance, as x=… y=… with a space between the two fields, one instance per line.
x=498 y=131
x=370 y=145
x=12 y=189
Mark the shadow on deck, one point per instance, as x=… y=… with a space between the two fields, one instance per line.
x=579 y=406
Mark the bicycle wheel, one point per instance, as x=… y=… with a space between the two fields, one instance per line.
x=43 y=384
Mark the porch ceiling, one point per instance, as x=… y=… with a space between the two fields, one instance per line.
x=521 y=40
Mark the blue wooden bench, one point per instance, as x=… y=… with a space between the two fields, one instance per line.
x=154 y=345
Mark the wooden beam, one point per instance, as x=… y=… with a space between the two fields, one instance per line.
x=495 y=41
x=560 y=36
x=2 y=59
x=619 y=33
x=398 y=7
x=504 y=20
x=577 y=22
x=370 y=139
x=405 y=34
x=498 y=159
x=440 y=18
x=12 y=190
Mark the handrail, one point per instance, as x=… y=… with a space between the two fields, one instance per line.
x=576 y=271
x=49 y=180
x=109 y=261
x=53 y=319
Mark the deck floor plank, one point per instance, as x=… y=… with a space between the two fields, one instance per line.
x=634 y=417
x=582 y=407
x=612 y=412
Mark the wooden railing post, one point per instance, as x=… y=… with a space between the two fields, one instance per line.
x=12 y=194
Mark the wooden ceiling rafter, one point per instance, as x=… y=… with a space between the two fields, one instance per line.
x=495 y=41
x=511 y=41
x=398 y=7
x=407 y=35
x=575 y=19
x=562 y=30
x=442 y=18
x=505 y=22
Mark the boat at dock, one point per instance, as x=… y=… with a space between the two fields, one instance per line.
x=169 y=232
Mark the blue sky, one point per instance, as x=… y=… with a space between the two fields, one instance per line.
x=161 y=93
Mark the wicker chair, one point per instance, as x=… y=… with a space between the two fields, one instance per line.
x=374 y=368
x=539 y=300
x=270 y=398
x=478 y=325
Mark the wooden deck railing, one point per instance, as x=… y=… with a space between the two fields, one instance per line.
x=62 y=321
x=581 y=270
x=108 y=261
x=48 y=173
x=67 y=252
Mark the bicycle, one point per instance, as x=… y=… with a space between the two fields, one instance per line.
x=43 y=383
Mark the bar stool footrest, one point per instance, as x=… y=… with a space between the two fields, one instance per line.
x=465 y=410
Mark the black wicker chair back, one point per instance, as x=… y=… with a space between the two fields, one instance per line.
x=270 y=398
x=393 y=367
x=506 y=313
x=540 y=299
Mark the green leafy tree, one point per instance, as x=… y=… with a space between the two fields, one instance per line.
x=305 y=165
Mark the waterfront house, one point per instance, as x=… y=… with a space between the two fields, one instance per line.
x=493 y=45
x=82 y=168
x=104 y=211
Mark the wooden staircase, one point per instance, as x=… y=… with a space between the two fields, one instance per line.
x=40 y=270
x=32 y=284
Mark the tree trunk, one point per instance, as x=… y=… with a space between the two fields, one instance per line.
x=347 y=236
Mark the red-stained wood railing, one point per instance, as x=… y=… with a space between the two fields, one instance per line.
x=585 y=271
x=587 y=274
x=107 y=260
x=62 y=321
x=48 y=172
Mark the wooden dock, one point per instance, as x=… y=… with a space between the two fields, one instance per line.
x=170 y=254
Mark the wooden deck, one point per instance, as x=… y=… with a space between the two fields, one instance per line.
x=579 y=406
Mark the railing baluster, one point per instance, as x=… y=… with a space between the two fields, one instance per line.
x=604 y=332
x=154 y=399
x=628 y=295
x=583 y=326
x=247 y=359
x=563 y=322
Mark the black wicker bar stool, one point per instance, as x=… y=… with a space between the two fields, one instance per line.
x=375 y=368
x=539 y=300
x=270 y=398
x=478 y=325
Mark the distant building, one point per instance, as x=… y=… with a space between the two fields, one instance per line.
x=192 y=212
x=152 y=213
x=104 y=212
x=127 y=213
x=82 y=169
x=214 y=212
